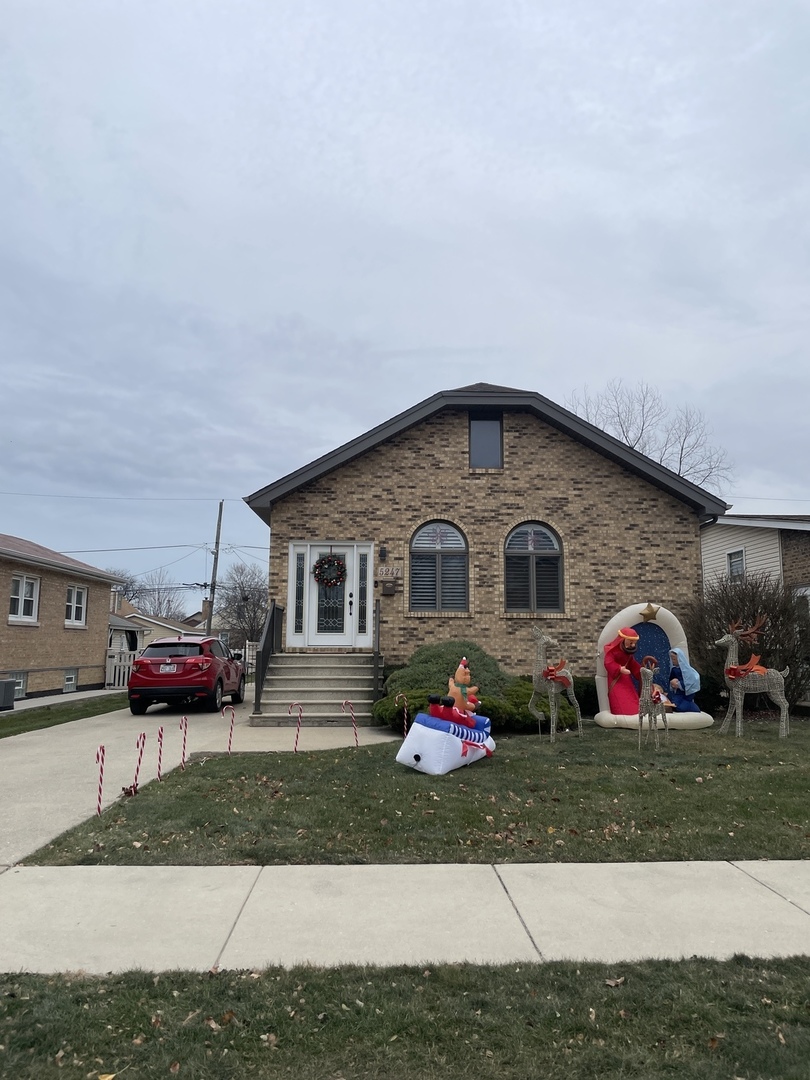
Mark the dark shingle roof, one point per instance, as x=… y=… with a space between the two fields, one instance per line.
x=487 y=396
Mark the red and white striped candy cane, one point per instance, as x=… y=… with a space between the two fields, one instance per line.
x=404 y=713
x=160 y=753
x=233 y=717
x=354 y=722
x=184 y=729
x=100 y=762
x=300 y=707
x=140 y=743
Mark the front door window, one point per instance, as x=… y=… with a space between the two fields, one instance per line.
x=331 y=606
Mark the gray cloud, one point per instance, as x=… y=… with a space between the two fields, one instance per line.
x=236 y=237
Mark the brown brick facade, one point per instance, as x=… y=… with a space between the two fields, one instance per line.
x=795 y=557
x=47 y=648
x=623 y=539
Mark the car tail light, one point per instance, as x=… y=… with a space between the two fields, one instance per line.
x=201 y=663
x=140 y=665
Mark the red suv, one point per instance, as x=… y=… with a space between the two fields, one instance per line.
x=183 y=669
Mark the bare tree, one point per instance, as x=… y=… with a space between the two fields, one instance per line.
x=128 y=585
x=678 y=437
x=242 y=601
x=157 y=596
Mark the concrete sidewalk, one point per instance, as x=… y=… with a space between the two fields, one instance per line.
x=99 y=918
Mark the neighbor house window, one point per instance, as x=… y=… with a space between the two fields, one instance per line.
x=76 y=606
x=486 y=442
x=736 y=565
x=24 y=604
x=533 y=569
x=20 y=684
x=71 y=681
x=439 y=569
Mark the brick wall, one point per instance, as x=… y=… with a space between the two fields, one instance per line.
x=49 y=644
x=623 y=539
x=795 y=556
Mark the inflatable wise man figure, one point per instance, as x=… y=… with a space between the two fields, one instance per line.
x=622 y=667
x=459 y=689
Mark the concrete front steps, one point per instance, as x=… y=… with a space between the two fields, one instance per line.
x=321 y=682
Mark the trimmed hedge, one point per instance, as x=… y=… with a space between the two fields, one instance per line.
x=433 y=665
x=504 y=698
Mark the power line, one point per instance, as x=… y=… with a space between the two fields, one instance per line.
x=119 y=498
x=164 y=547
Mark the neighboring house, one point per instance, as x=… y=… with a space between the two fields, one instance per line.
x=155 y=626
x=473 y=515
x=740 y=544
x=55 y=633
x=123 y=636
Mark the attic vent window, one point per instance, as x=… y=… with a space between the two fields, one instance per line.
x=486 y=442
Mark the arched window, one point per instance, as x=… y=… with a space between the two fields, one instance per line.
x=533 y=568
x=438 y=569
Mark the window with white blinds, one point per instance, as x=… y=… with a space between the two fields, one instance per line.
x=439 y=569
x=533 y=569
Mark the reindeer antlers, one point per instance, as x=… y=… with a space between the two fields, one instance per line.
x=750 y=633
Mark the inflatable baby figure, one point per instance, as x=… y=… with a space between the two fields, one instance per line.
x=459 y=689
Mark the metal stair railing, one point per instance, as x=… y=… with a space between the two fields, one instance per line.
x=269 y=643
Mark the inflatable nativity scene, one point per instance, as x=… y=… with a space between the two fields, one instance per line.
x=638 y=640
x=643 y=674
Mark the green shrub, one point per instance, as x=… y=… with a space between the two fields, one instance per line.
x=585 y=693
x=519 y=694
x=387 y=711
x=433 y=665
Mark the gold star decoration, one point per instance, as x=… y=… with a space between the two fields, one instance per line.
x=649 y=612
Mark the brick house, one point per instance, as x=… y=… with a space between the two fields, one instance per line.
x=55 y=634
x=774 y=544
x=473 y=515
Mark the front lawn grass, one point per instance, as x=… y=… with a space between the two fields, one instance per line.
x=596 y=799
x=15 y=723
x=694 y=1020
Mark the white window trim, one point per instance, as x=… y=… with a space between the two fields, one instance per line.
x=70 y=601
x=32 y=619
x=741 y=575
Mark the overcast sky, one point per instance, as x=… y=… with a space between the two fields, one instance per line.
x=237 y=233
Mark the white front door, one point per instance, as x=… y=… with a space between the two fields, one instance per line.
x=330 y=615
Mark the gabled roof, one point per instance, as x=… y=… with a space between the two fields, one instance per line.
x=167 y=626
x=25 y=551
x=800 y=522
x=507 y=399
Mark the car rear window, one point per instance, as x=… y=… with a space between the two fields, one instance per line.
x=179 y=648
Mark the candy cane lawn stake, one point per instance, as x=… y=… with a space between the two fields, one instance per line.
x=100 y=763
x=233 y=717
x=160 y=753
x=404 y=713
x=140 y=743
x=354 y=722
x=299 y=706
x=184 y=729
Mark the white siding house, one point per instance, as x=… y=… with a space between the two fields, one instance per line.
x=730 y=548
x=737 y=545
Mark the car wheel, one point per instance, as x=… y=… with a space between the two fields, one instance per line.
x=138 y=707
x=215 y=699
x=238 y=696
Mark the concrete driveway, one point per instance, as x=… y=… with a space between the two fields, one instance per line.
x=49 y=778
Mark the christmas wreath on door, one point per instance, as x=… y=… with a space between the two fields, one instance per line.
x=329 y=571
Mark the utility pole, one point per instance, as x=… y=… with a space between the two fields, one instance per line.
x=210 y=617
